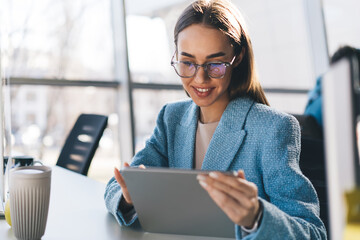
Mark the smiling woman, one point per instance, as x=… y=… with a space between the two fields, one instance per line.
x=198 y=43
x=209 y=46
x=227 y=125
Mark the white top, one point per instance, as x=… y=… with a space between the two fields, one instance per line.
x=204 y=133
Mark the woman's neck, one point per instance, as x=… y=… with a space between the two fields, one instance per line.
x=212 y=113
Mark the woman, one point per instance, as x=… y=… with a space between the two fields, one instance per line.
x=228 y=125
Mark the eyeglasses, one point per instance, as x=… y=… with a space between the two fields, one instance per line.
x=187 y=69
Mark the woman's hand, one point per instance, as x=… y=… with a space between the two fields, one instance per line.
x=119 y=178
x=237 y=197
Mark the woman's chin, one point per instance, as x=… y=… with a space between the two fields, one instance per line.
x=203 y=102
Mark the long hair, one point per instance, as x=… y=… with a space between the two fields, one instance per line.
x=224 y=16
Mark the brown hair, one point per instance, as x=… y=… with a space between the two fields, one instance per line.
x=224 y=16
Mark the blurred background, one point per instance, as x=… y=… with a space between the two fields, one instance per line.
x=112 y=57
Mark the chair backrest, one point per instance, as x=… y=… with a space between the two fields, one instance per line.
x=312 y=164
x=312 y=160
x=82 y=142
x=309 y=126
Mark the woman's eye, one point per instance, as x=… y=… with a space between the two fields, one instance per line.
x=188 y=63
x=214 y=65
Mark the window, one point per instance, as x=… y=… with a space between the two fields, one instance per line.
x=52 y=51
x=60 y=39
x=147 y=105
x=280 y=38
x=30 y=118
x=40 y=128
x=341 y=23
x=30 y=97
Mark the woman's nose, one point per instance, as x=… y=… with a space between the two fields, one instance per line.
x=201 y=75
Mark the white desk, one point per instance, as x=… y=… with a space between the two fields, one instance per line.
x=77 y=211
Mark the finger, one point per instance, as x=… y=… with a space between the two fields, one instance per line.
x=241 y=174
x=142 y=166
x=225 y=202
x=243 y=199
x=213 y=183
x=236 y=212
x=119 y=178
x=126 y=164
x=230 y=207
x=240 y=184
x=122 y=184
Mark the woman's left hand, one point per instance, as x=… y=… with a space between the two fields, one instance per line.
x=236 y=196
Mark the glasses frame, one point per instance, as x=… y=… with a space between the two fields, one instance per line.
x=205 y=66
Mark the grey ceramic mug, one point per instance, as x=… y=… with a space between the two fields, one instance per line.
x=29 y=200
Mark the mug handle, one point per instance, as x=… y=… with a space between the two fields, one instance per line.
x=39 y=162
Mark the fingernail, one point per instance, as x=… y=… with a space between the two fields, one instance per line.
x=202 y=183
x=213 y=175
x=200 y=177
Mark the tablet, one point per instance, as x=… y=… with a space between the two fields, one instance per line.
x=172 y=201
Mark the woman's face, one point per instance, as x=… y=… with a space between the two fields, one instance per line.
x=201 y=44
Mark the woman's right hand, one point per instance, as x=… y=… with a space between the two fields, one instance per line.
x=122 y=184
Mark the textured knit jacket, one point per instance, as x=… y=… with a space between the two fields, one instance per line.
x=250 y=136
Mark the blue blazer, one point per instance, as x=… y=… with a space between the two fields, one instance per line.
x=263 y=142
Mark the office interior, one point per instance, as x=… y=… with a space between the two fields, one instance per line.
x=60 y=59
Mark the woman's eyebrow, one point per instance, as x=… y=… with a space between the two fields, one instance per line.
x=187 y=54
x=214 y=55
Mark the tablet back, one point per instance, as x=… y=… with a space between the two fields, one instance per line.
x=172 y=201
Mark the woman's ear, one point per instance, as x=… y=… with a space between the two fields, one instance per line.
x=239 y=58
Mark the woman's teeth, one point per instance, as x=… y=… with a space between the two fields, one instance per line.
x=203 y=89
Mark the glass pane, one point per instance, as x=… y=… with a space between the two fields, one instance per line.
x=290 y=103
x=278 y=30
x=42 y=117
x=147 y=105
x=342 y=24
x=280 y=39
x=60 y=39
x=149 y=60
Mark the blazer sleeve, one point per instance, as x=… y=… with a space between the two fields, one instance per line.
x=292 y=208
x=154 y=154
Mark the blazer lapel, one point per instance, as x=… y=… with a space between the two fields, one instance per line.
x=185 y=138
x=228 y=136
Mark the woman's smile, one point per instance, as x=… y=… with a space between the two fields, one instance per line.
x=202 y=92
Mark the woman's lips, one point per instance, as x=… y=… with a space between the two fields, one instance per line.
x=202 y=92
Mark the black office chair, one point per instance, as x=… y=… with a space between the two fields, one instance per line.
x=312 y=161
x=309 y=126
x=312 y=164
x=82 y=142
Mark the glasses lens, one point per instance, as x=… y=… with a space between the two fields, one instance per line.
x=216 y=70
x=185 y=69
